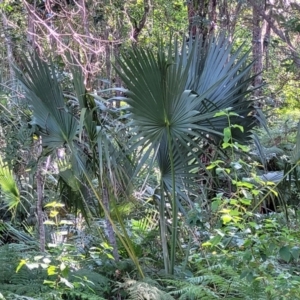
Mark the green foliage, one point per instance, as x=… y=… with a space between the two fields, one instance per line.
x=215 y=281
x=143 y=290
x=182 y=96
x=245 y=254
x=45 y=273
x=189 y=117
x=25 y=282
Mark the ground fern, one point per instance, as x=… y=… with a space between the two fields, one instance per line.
x=143 y=290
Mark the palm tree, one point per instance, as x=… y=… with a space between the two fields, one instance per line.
x=172 y=95
x=96 y=158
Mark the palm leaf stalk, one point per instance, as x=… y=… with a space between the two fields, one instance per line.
x=172 y=96
x=95 y=131
x=174 y=201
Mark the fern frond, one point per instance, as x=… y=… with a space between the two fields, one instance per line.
x=141 y=290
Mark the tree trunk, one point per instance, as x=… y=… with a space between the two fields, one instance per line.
x=31 y=27
x=202 y=17
x=8 y=43
x=283 y=35
x=257 y=50
x=266 y=43
x=40 y=197
x=40 y=214
x=89 y=55
x=228 y=17
x=109 y=229
x=137 y=27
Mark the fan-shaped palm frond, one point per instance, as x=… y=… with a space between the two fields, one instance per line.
x=54 y=120
x=173 y=97
x=94 y=148
x=9 y=187
x=215 y=62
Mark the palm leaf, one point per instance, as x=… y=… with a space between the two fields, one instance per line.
x=55 y=122
x=9 y=187
x=215 y=62
x=173 y=97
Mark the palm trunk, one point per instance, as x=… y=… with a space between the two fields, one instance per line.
x=201 y=10
x=174 y=207
x=163 y=229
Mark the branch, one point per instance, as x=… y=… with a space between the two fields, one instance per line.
x=137 y=28
x=284 y=37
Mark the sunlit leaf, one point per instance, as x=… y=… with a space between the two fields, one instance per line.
x=21 y=264
x=51 y=270
x=226 y=218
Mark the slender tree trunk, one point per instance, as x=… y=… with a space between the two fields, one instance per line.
x=40 y=214
x=40 y=197
x=191 y=19
x=118 y=79
x=31 y=27
x=109 y=229
x=8 y=42
x=198 y=13
x=266 y=44
x=283 y=35
x=257 y=49
x=212 y=15
x=163 y=229
x=89 y=58
x=228 y=17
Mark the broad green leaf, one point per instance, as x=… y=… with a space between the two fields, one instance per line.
x=225 y=145
x=53 y=213
x=227 y=135
x=234 y=212
x=241 y=128
x=215 y=240
x=215 y=205
x=243 y=184
x=50 y=283
x=285 y=253
x=220 y=114
x=231 y=113
x=295 y=251
x=245 y=201
x=207 y=244
x=64 y=270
